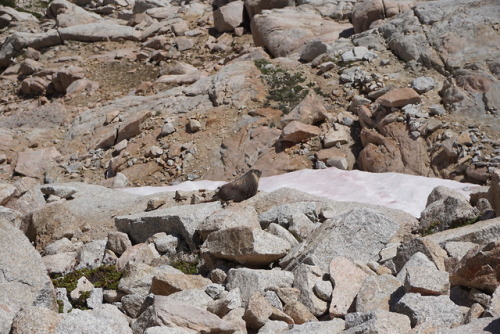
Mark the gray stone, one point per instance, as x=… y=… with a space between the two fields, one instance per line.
x=34 y=320
x=228 y=17
x=25 y=281
x=282 y=233
x=96 y=298
x=59 y=190
x=323 y=289
x=334 y=326
x=194 y=297
x=180 y=220
x=427 y=281
x=347 y=280
x=105 y=319
x=165 y=243
x=60 y=263
x=94 y=32
x=228 y=218
x=62 y=296
x=230 y=301
x=301 y=226
x=423 y=84
x=254 y=280
x=137 y=278
x=359 y=234
x=178 y=314
x=378 y=293
x=134 y=304
x=438 y=309
x=477 y=326
x=15 y=43
x=118 y=242
x=245 y=245
x=458 y=249
x=305 y=278
x=91 y=254
x=358 y=53
x=312 y=50
x=416 y=260
x=376 y=322
x=283 y=214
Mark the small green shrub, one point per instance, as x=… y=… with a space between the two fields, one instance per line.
x=187 y=267
x=285 y=89
x=8 y=3
x=106 y=277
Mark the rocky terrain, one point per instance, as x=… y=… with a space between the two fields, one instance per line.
x=107 y=94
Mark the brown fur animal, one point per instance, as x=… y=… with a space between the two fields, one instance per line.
x=240 y=189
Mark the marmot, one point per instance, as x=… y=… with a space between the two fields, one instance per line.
x=240 y=189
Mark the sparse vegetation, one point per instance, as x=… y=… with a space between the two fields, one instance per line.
x=187 y=267
x=106 y=277
x=284 y=88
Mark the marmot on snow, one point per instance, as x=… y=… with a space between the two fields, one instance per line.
x=240 y=189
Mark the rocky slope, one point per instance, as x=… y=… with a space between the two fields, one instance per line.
x=153 y=92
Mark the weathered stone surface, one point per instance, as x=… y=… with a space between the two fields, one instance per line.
x=369 y=12
x=416 y=260
x=255 y=7
x=25 y=281
x=333 y=326
x=438 y=309
x=398 y=98
x=430 y=249
x=228 y=17
x=105 y=319
x=305 y=279
x=225 y=304
x=479 y=233
x=259 y=311
x=228 y=218
x=347 y=280
x=479 y=268
x=15 y=43
x=34 y=163
x=297 y=132
x=359 y=234
x=118 y=242
x=91 y=254
x=376 y=322
x=68 y=14
x=165 y=284
x=494 y=192
x=282 y=233
x=194 y=297
x=429 y=22
x=93 y=32
x=34 y=86
x=252 y=280
x=309 y=111
x=299 y=312
x=65 y=218
x=7 y=192
x=312 y=50
x=246 y=245
x=477 y=326
x=177 y=314
x=140 y=253
x=449 y=212
x=286 y=31
x=423 y=84
x=35 y=320
x=60 y=263
x=181 y=220
x=137 y=278
x=427 y=281
x=378 y=293
x=65 y=77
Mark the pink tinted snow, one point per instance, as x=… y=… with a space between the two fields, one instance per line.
x=393 y=190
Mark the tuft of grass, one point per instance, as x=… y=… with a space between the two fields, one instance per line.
x=187 y=267
x=106 y=277
x=285 y=89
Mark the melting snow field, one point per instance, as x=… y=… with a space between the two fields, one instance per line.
x=393 y=190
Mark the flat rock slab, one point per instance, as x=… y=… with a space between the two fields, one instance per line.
x=94 y=32
x=246 y=245
x=286 y=31
x=359 y=234
x=179 y=220
x=33 y=163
